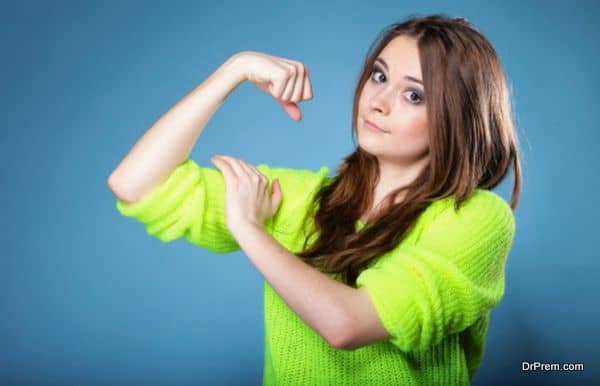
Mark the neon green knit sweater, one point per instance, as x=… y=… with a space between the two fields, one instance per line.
x=434 y=292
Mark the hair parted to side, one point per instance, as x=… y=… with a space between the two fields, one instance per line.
x=472 y=145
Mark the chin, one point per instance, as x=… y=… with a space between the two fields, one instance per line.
x=369 y=149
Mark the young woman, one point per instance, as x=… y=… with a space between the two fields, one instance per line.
x=387 y=272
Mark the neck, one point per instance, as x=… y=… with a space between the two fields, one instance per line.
x=394 y=175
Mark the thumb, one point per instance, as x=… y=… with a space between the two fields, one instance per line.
x=275 y=195
x=292 y=109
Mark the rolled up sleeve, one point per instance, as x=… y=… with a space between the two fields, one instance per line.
x=446 y=280
x=190 y=203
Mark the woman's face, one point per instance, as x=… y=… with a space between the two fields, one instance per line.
x=393 y=99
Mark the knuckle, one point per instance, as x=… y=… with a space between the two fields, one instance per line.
x=292 y=69
x=281 y=73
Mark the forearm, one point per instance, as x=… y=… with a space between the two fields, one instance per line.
x=170 y=140
x=320 y=301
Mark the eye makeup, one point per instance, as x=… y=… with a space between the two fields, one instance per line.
x=417 y=91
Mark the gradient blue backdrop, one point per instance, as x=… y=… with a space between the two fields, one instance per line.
x=88 y=298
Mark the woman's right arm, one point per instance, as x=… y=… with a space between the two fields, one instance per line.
x=160 y=186
x=170 y=140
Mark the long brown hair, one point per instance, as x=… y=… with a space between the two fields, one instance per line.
x=472 y=145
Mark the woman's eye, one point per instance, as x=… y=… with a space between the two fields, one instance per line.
x=414 y=97
x=375 y=72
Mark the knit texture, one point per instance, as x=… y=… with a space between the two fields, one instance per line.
x=433 y=292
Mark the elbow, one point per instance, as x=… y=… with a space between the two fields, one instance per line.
x=117 y=189
x=341 y=338
x=342 y=342
x=337 y=343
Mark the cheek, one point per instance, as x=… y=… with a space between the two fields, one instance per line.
x=362 y=102
x=411 y=137
x=414 y=128
x=419 y=133
x=367 y=93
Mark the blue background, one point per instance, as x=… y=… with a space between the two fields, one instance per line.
x=88 y=298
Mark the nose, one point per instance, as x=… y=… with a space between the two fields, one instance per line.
x=380 y=100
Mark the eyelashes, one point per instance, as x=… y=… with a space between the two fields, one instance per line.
x=376 y=69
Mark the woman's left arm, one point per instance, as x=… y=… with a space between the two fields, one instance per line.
x=322 y=302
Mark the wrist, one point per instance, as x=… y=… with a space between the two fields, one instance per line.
x=246 y=229
x=234 y=67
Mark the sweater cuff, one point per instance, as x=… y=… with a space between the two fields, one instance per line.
x=402 y=321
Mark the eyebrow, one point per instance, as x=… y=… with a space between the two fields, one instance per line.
x=407 y=77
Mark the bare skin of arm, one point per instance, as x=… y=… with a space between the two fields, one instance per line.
x=170 y=140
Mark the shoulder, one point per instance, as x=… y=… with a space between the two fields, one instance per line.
x=295 y=174
x=299 y=187
x=296 y=181
x=481 y=202
x=483 y=211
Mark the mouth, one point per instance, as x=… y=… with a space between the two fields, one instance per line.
x=373 y=127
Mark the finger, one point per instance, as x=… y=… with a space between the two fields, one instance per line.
x=292 y=109
x=289 y=87
x=246 y=168
x=233 y=165
x=225 y=168
x=279 y=81
x=307 y=90
x=298 y=80
x=257 y=177
x=243 y=168
x=303 y=82
x=299 y=83
x=264 y=178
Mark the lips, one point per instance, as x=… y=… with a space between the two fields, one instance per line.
x=369 y=123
